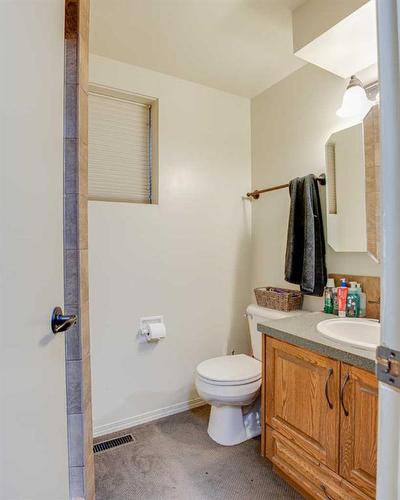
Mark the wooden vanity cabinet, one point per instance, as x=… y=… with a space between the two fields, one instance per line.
x=323 y=444
x=304 y=403
x=358 y=427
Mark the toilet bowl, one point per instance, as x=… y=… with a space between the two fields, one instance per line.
x=231 y=385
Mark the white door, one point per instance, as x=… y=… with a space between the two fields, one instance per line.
x=388 y=487
x=33 y=435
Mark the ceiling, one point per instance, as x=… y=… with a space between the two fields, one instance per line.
x=239 y=46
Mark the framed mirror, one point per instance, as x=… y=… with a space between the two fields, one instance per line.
x=353 y=190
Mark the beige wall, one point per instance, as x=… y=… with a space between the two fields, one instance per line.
x=187 y=258
x=194 y=248
x=290 y=124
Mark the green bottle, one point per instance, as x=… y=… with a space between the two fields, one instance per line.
x=353 y=301
x=328 y=296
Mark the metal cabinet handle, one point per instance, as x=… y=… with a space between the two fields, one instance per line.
x=330 y=373
x=323 y=488
x=345 y=410
x=61 y=322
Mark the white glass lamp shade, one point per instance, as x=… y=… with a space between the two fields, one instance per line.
x=355 y=101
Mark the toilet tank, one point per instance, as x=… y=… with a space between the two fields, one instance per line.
x=257 y=314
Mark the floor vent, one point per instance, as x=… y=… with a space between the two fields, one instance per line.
x=112 y=443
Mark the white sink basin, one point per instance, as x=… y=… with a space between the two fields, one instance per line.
x=357 y=332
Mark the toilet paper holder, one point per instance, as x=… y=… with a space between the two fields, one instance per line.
x=145 y=330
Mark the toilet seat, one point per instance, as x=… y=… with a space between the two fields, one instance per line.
x=234 y=370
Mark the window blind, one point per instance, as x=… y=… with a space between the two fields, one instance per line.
x=119 y=149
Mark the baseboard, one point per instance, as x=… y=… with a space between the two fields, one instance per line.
x=126 y=423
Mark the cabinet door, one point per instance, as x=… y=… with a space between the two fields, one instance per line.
x=302 y=399
x=358 y=427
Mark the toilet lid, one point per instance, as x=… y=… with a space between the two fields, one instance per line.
x=237 y=368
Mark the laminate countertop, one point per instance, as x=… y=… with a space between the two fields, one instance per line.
x=301 y=330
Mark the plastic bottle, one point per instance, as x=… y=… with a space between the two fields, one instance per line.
x=328 y=296
x=353 y=301
x=363 y=301
x=335 y=302
x=342 y=292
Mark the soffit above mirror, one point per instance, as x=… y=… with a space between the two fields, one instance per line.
x=337 y=36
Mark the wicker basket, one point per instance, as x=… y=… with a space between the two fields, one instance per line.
x=279 y=298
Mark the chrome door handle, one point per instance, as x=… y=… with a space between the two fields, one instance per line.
x=61 y=322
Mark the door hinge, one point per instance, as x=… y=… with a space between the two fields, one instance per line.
x=388 y=365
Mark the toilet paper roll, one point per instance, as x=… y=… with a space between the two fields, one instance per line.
x=155 y=331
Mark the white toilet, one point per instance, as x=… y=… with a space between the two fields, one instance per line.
x=229 y=383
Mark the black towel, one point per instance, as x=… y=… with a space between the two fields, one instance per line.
x=305 y=249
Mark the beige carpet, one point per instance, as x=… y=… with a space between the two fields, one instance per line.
x=174 y=459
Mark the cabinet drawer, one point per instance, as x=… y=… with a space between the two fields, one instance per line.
x=312 y=477
x=302 y=399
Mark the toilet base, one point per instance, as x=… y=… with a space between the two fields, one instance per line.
x=230 y=425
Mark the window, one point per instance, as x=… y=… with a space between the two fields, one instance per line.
x=121 y=147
